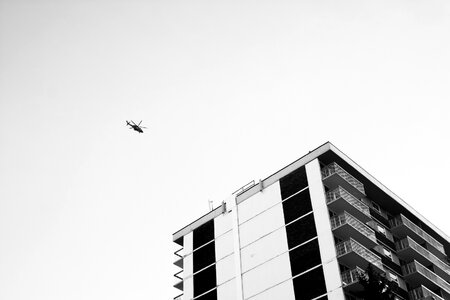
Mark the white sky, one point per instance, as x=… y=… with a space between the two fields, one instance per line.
x=231 y=91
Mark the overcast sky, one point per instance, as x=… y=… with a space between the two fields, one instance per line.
x=230 y=91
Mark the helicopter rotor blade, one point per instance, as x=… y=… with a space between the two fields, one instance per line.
x=140 y=123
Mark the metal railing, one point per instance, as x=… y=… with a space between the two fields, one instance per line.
x=421 y=293
x=402 y=220
x=334 y=168
x=339 y=192
x=347 y=218
x=408 y=242
x=351 y=276
x=177 y=253
x=415 y=266
x=351 y=245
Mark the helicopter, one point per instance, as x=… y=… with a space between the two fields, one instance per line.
x=137 y=127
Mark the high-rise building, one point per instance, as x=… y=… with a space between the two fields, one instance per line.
x=306 y=232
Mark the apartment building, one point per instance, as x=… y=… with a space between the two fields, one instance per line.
x=305 y=232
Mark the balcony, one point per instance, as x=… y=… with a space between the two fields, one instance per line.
x=333 y=176
x=402 y=227
x=409 y=250
x=353 y=254
x=416 y=274
x=350 y=281
x=179 y=263
x=178 y=284
x=346 y=226
x=422 y=293
x=339 y=200
x=179 y=260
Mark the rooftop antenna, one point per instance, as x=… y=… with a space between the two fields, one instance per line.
x=210 y=203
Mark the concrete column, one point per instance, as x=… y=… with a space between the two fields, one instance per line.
x=233 y=210
x=325 y=236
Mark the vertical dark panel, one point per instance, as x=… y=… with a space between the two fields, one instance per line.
x=205 y=280
x=310 y=285
x=297 y=206
x=204 y=256
x=304 y=257
x=301 y=230
x=293 y=182
x=209 y=296
x=203 y=234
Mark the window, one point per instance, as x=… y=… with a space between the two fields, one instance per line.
x=204 y=280
x=310 y=285
x=296 y=206
x=209 y=296
x=204 y=256
x=387 y=253
x=203 y=234
x=293 y=182
x=304 y=257
x=381 y=229
x=300 y=231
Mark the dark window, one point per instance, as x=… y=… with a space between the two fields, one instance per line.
x=297 y=206
x=209 y=296
x=204 y=256
x=205 y=280
x=203 y=234
x=300 y=231
x=304 y=257
x=309 y=285
x=293 y=182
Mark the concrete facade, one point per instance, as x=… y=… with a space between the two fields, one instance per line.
x=305 y=232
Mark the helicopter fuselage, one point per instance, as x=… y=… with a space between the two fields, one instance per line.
x=136 y=127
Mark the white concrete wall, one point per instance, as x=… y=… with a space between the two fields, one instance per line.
x=188 y=266
x=188 y=243
x=283 y=291
x=225 y=269
x=261 y=225
x=264 y=249
x=325 y=236
x=233 y=212
x=227 y=291
x=266 y=275
x=222 y=224
x=259 y=202
x=224 y=245
x=188 y=288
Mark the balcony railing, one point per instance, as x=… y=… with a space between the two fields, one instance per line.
x=339 y=192
x=351 y=276
x=179 y=283
x=415 y=266
x=346 y=218
x=402 y=220
x=408 y=242
x=334 y=168
x=422 y=293
x=352 y=246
